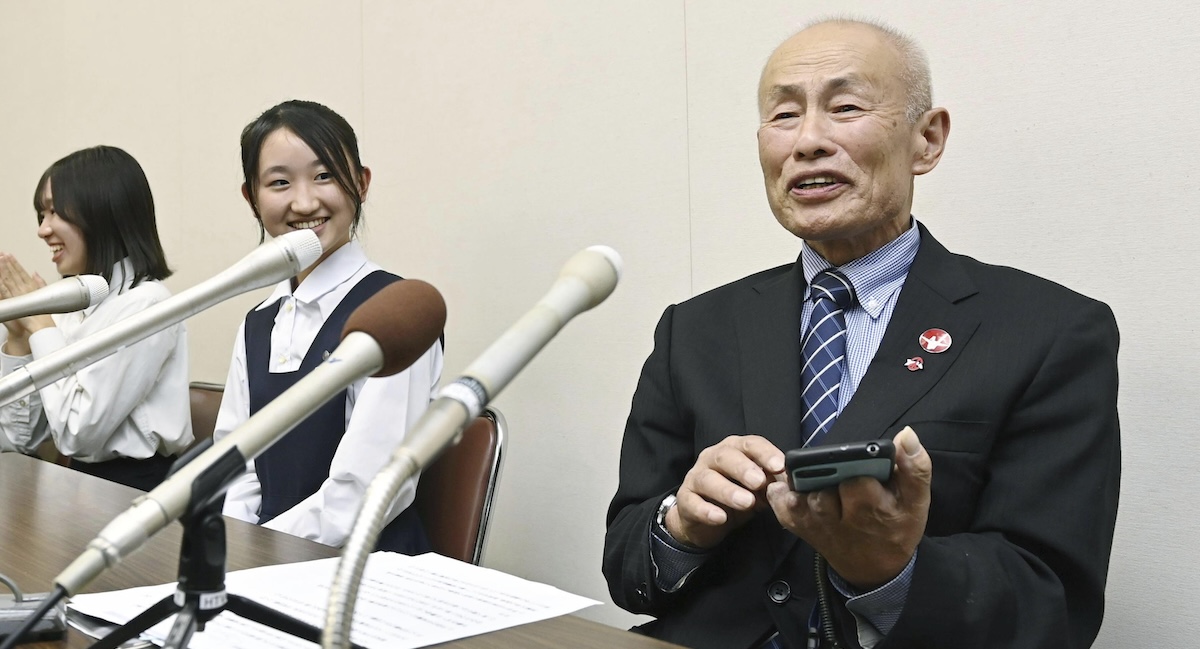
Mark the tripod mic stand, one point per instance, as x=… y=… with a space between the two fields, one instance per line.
x=200 y=595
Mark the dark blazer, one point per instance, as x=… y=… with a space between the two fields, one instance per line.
x=1019 y=416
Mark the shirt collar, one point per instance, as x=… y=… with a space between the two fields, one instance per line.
x=876 y=276
x=331 y=273
x=122 y=279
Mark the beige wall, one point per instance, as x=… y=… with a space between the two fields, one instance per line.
x=504 y=136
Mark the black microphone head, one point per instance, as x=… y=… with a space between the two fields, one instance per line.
x=405 y=318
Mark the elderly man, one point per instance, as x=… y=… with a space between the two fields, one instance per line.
x=998 y=388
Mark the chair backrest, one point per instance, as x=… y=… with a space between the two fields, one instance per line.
x=205 y=402
x=454 y=495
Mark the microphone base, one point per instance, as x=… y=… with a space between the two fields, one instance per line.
x=201 y=595
x=15 y=614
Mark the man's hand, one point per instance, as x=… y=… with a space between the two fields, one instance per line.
x=721 y=492
x=868 y=531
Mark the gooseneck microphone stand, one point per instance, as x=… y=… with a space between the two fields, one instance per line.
x=200 y=595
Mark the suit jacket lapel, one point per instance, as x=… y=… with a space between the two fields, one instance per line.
x=936 y=284
x=768 y=332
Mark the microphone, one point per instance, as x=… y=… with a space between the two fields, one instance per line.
x=63 y=296
x=274 y=261
x=585 y=281
x=383 y=336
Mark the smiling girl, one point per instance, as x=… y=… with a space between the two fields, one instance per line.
x=125 y=416
x=302 y=171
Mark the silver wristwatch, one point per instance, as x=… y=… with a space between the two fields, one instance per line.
x=661 y=517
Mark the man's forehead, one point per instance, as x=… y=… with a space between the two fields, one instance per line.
x=839 y=57
x=849 y=81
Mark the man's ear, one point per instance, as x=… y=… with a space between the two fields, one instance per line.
x=929 y=135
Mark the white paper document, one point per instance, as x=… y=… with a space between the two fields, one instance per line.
x=404 y=602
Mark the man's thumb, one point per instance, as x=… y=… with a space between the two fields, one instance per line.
x=912 y=460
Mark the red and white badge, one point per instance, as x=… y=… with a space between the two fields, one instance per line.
x=935 y=341
x=915 y=363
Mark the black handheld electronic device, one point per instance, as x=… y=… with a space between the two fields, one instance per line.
x=818 y=467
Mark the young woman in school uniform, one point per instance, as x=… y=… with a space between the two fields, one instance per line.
x=303 y=171
x=124 y=417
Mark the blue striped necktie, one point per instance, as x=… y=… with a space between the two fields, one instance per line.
x=823 y=349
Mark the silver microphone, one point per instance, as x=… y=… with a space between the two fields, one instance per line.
x=383 y=336
x=586 y=280
x=64 y=296
x=274 y=261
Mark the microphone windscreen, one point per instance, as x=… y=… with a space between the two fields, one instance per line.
x=304 y=244
x=599 y=268
x=96 y=287
x=405 y=317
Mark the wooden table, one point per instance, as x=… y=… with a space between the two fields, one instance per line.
x=49 y=513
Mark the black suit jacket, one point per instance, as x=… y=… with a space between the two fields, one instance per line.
x=1019 y=417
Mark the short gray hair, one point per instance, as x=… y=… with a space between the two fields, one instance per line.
x=914 y=64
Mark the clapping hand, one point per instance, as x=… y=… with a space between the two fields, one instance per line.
x=15 y=281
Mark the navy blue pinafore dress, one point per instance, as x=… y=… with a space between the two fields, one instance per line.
x=296 y=466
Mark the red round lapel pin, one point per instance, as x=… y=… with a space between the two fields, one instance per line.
x=915 y=363
x=935 y=341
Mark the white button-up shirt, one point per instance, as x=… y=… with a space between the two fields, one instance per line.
x=133 y=403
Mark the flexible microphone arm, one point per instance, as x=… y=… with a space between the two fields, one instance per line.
x=381 y=340
x=585 y=281
x=276 y=260
x=64 y=296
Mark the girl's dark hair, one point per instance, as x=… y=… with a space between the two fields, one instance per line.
x=328 y=134
x=104 y=192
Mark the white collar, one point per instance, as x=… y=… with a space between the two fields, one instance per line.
x=331 y=273
x=122 y=279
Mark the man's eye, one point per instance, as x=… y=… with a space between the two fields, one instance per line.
x=846 y=108
x=785 y=115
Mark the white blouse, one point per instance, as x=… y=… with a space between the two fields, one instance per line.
x=133 y=403
x=379 y=411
